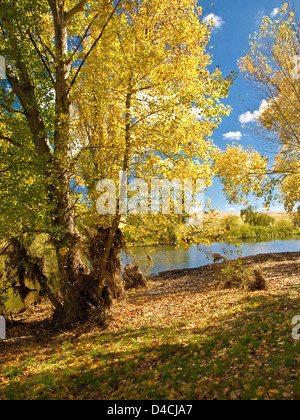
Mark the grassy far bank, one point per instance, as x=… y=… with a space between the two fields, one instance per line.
x=279 y=226
x=226 y=226
x=165 y=342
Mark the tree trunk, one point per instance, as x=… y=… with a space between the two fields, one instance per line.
x=80 y=286
x=83 y=288
x=21 y=268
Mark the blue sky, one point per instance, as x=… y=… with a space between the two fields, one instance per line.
x=235 y=20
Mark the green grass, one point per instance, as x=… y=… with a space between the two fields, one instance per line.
x=244 y=350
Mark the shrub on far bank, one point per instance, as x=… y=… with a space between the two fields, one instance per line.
x=284 y=227
x=245 y=231
x=240 y=229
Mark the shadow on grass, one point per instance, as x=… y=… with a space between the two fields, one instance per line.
x=246 y=354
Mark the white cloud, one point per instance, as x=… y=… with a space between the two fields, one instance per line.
x=253 y=116
x=246 y=117
x=275 y=12
x=233 y=135
x=197 y=114
x=229 y=207
x=259 y=16
x=218 y=22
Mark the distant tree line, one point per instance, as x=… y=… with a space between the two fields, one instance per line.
x=251 y=216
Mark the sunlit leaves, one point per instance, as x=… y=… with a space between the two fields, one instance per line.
x=242 y=172
x=272 y=65
x=147 y=102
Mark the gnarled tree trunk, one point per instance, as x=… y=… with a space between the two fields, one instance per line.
x=83 y=287
x=80 y=286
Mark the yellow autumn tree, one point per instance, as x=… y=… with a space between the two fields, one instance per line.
x=243 y=172
x=147 y=105
x=273 y=67
x=94 y=88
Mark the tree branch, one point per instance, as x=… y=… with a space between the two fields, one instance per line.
x=52 y=4
x=11 y=110
x=6 y=247
x=84 y=35
x=94 y=45
x=146 y=116
x=11 y=141
x=77 y=9
x=25 y=92
x=41 y=57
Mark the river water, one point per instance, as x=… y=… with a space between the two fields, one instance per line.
x=167 y=257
